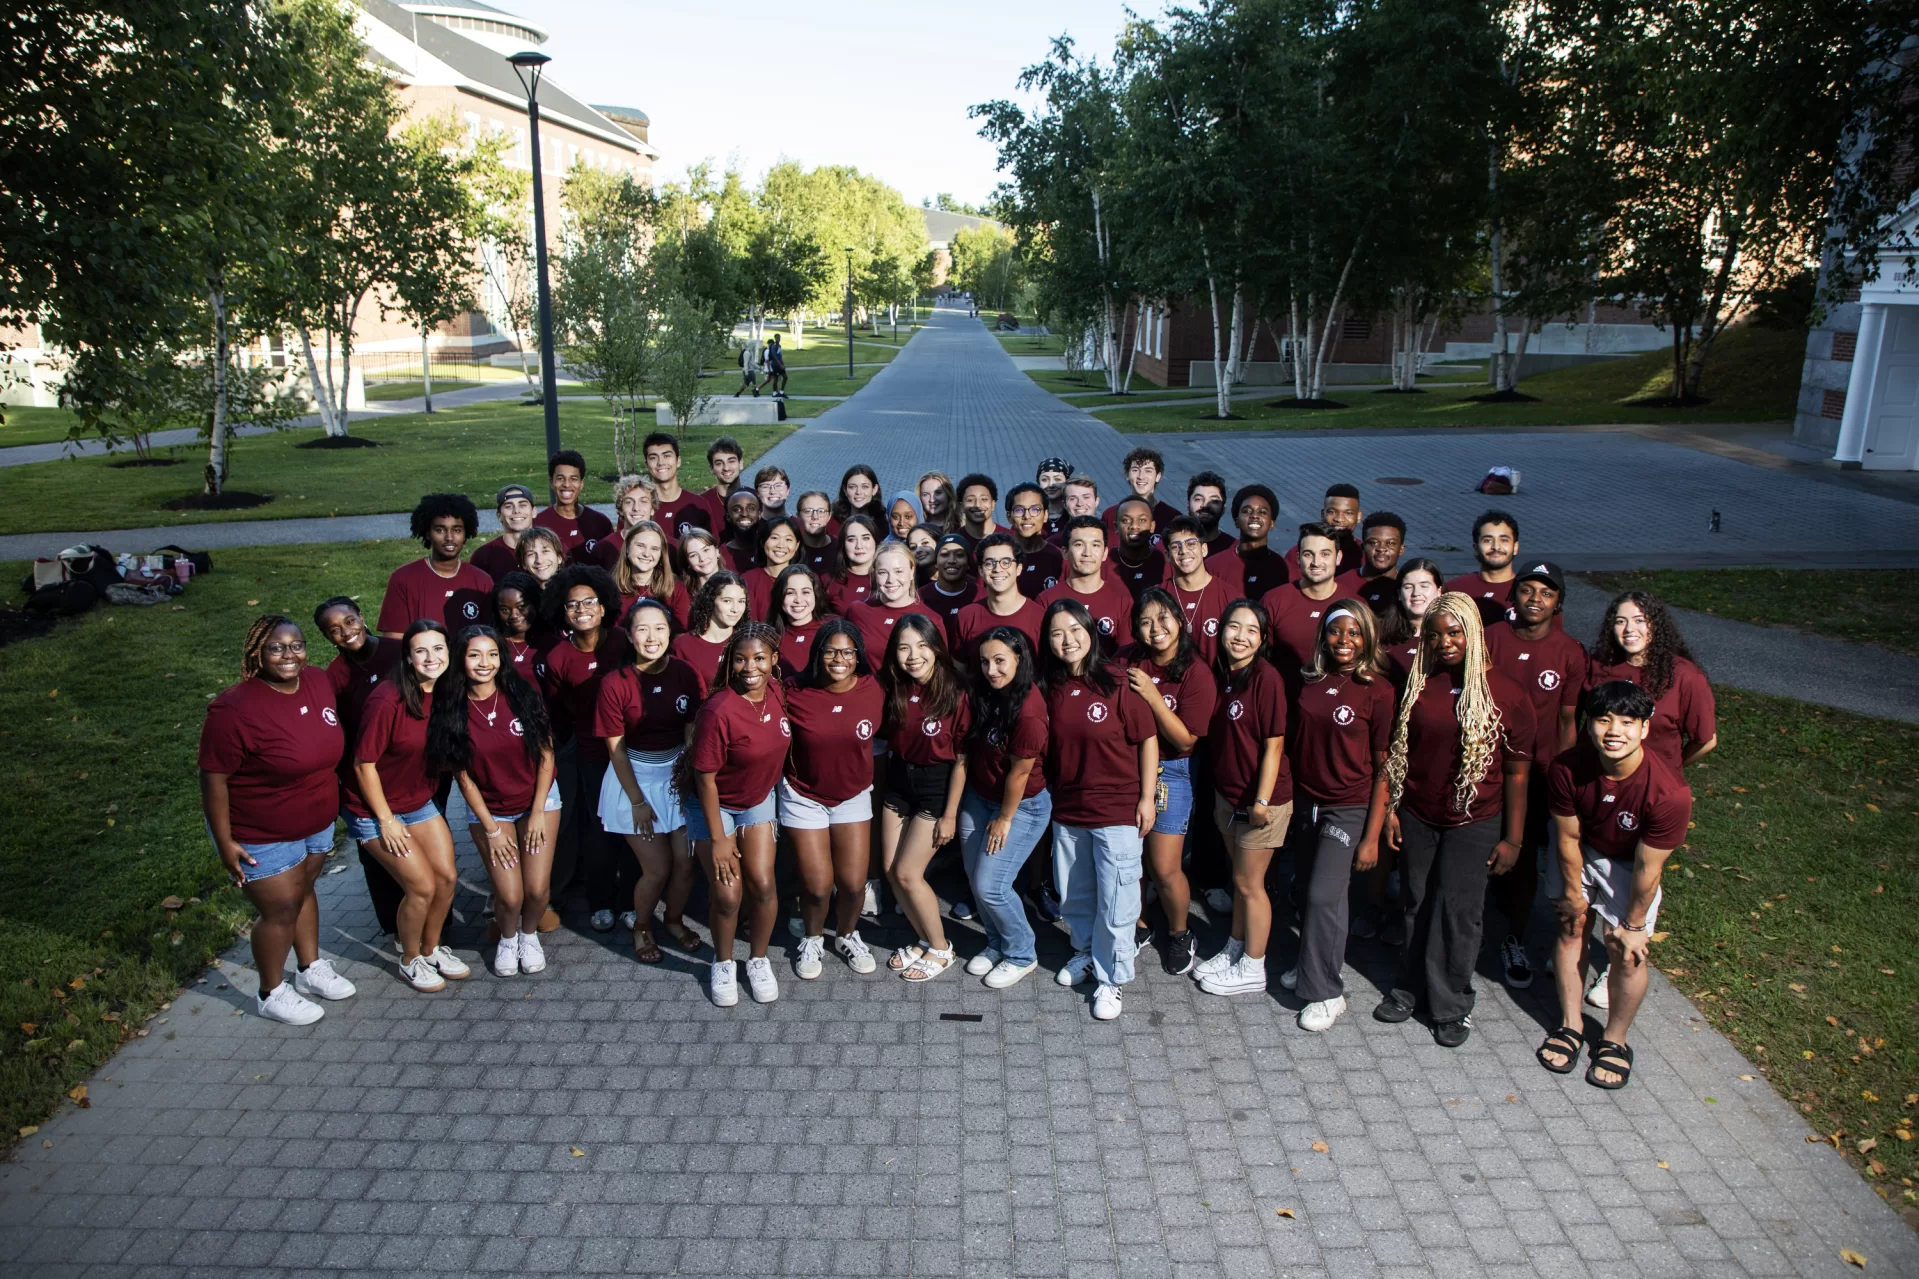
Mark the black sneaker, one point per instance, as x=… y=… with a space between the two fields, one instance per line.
x=1391 y=1010
x=1180 y=954
x=1518 y=965
x=1142 y=937
x=1451 y=1034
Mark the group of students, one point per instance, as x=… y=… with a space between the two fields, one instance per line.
x=713 y=678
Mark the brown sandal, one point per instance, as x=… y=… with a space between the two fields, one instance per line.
x=645 y=949
x=685 y=938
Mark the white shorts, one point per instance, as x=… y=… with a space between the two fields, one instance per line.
x=1607 y=884
x=797 y=812
x=656 y=788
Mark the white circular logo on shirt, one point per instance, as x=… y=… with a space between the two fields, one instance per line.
x=1105 y=626
x=1235 y=709
x=1172 y=702
x=931 y=727
x=1343 y=715
x=1097 y=712
x=1050 y=583
x=1627 y=821
x=786 y=729
x=333 y=721
x=469 y=610
x=993 y=737
x=681 y=703
x=1211 y=628
x=1549 y=679
x=513 y=727
x=591 y=542
x=864 y=730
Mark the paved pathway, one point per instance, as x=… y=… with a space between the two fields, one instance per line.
x=603 y=1117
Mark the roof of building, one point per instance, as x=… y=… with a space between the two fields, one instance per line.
x=474 y=9
x=622 y=113
x=942 y=226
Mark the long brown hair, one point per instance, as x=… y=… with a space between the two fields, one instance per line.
x=663 y=584
x=941 y=692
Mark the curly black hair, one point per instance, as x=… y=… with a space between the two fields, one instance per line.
x=553 y=597
x=435 y=505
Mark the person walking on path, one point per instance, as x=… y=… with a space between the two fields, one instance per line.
x=775 y=366
x=749 y=370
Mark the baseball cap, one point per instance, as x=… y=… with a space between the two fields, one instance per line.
x=1544 y=571
x=510 y=491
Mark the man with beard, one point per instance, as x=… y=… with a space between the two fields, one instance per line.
x=1495 y=544
x=1135 y=560
x=1206 y=504
x=1042 y=564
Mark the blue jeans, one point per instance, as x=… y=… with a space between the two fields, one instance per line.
x=1176 y=796
x=1000 y=909
x=1097 y=870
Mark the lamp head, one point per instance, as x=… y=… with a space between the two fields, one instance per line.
x=528 y=65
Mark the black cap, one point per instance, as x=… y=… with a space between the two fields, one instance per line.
x=1543 y=571
x=512 y=490
x=954 y=539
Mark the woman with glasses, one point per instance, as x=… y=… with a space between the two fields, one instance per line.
x=582 y=605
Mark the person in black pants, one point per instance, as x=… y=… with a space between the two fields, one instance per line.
x=365 y=661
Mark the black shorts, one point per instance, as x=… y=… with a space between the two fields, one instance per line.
x=916 y=790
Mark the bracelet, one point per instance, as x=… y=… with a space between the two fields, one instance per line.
x=493 y=833
x=1631 y=928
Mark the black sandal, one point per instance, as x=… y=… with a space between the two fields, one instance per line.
x=1616 y=1058
x=1565 y=1041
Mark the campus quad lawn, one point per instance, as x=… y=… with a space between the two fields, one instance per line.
x=1032 y=344
x=33 y=426
x=472 y=449
x=102 y=822
x=1872 y=606
x=1752 y=375
x=378 y=392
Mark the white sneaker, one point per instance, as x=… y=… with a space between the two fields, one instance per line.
x=283 y=1003
x=1220 y=962
x=983 y=963
x=1219 y=901
x=628 y=919
x=1106 y=1003
x=722 y=985
x=532 y=954
x=318 y=978
x=1077 y=969
x=422 y=976
x=857 y=954
x=1244 y=976
x=1599 y=995
x=806 y=964
x=506 y=957
x=450 y=965
x=871 y=909
x=761 y=981
x=1289 y=980
x=602 y=921
x=1322 y=1013
x=1007 y=973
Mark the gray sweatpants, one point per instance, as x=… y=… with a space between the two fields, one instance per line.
x=1323 y=865
x=1442 y=889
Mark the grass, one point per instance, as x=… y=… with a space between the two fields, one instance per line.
x=472 y=449
x=1870 y=606
x=379 y=391
x=1018 y=344
x=1751 y=376
x=102 y=820
x=1788 y=918
x=25 y=425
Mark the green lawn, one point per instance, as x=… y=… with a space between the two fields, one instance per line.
x=1788 y=917
x=380 y=391
x=1872 y=606
x=1018 y=344
x=34 y=426
x=472 y=449
x=102 y=822
x=1751 y=376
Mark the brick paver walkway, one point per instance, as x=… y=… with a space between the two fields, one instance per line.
x=850 y=1130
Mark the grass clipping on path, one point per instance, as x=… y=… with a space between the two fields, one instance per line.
x=1788 y=919
x=1870 y=606
x=113 y=896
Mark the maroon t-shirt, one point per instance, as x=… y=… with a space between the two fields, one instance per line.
x=281 y=753
x=1227 y=569
x=1651 y=805
x=1149 y=572
x=1111 y=606
x=395 y=744
x=759 y=584
x=1221 y=543
x=949 y=607
x=1432 y=749
x=526 y=660
x=1339 y=724
x=416 y=591
x=1296 y=620
x=1493 y=598
x=976 y=620
x=581 y=535
x=1041 y=570
x=1097 y=768
x=1191 y=697
x=495 y=558
x=1399 y=660
x=848 y=589
x=743 y=744
x=824 y=560
x=703 y=655
x=1685 y=712
x=1379 y=592
x=741 y=560
x=876 y=622
x=1261 y=568
x=922 y=741
x=684 y=513
x=354 y=682
x=1204 y=610
x=1553 y=673
x=989 y=758
x=832 y=756
x=1251 y=708
x=499 y=766
x=796 y=646
x=650 y=709
x=573 y=688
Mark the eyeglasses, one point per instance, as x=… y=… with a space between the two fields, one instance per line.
x=1026 y=510
x=997 y=561
x=582 y=606
x=297 y=648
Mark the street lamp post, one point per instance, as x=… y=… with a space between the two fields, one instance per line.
x=849 y=312
x=528 y=66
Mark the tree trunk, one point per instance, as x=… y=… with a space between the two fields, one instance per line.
x=796 y=325
x=426 y=371
x=1709 y=326
x=1332 y=310
x=1232 y=359
x=1495 y=363
x=1514 y=366
x=1222 y=392
x=1678 y=356
x=1292 y=347
x=322 y=402
x=216 y=474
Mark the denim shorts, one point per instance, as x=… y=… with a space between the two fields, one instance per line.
x=552 y=806
x=1174 y=797
x=916 y=790
x=283 y=855
x=731 y=819
x=367 y=829
x=797 y=812
x=655 y=779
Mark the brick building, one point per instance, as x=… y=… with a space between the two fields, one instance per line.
x=1859 y=391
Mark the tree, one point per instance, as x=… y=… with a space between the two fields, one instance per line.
x=608 y=302
x=836 y=208
x=690 y=340
x=986 y=264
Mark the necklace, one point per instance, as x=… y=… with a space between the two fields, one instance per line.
x=493 y=701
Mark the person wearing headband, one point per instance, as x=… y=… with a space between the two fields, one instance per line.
x=1051 y=478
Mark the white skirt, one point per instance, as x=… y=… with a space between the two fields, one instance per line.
x=656 y=787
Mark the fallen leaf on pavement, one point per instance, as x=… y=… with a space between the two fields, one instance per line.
x=577 y=1152
x=27 y=1130
x=1320 y=1148
x=1747 y=1078
x=1664 y=1164
x=79 y=1095
x=1287 y=1213
x=1852 y=1258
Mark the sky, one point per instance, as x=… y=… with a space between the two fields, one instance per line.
x=882 y=85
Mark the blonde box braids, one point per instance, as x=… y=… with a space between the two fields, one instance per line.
x=1479 y=720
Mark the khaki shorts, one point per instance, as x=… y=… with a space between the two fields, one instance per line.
x=1243 y=834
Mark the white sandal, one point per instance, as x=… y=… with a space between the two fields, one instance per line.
x=906 y=956
x=929 y=965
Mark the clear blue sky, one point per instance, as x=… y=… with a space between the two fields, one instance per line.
x=882 y=85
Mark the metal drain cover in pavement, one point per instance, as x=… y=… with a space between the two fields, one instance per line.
x=1397 y=479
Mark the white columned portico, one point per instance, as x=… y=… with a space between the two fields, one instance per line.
x=1850 y=452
